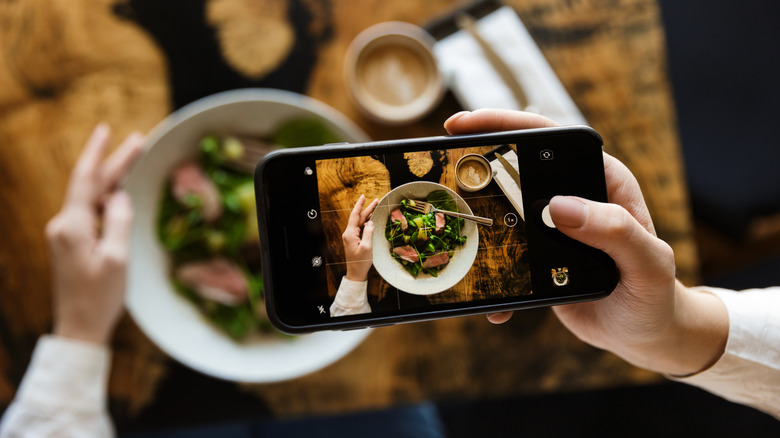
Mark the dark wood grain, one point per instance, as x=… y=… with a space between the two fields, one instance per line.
x=65 y=66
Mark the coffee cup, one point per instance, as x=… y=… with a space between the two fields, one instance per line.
x=391 y=73
x=473 y=172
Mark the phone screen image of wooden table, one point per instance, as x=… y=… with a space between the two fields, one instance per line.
x=501 y=267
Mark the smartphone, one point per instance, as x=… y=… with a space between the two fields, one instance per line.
x=423 y=266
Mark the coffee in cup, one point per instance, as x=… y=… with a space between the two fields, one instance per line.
x=391 y=73
x=473 y=172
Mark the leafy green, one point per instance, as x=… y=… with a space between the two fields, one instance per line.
x=187 y=236
x=442 y=200
x=420 y=233
x=304 y=132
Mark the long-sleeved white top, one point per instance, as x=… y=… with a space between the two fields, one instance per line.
x=63 y=393
x=351 y=298
x=749 y=370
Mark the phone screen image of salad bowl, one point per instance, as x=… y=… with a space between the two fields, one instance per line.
x=418 y=262
x=418 y=253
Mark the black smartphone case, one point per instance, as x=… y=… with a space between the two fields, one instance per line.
x=596 y=277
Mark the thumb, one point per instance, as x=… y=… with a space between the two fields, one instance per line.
x=612 y=229
x=117 y=223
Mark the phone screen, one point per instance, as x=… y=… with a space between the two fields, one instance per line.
x=421 y=263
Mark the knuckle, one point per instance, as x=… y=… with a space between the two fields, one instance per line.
x=666 y=257
x=53 y=228
x=122 y=213
x=57 y=230
x=114 y=257
x=620 y=223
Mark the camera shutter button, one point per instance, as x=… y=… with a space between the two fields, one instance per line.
x=546 y=218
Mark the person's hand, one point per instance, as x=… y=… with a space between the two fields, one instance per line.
x=650 y=319
x=357 y=247
x=89 y=240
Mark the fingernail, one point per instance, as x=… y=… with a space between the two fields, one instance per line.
x=568 y=211
x=456 y=116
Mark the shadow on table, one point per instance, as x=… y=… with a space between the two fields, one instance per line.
x=647 y=411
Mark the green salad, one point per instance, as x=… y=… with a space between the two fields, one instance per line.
x=207 y=223
x=424 y=242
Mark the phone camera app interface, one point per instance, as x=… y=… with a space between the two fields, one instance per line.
x=546 y=155
x=393 y=243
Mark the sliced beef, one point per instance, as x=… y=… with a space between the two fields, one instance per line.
x=397 y=216
x=440 y=223
x=215 y=280
x=436 y=260
x=406 y=252
x=190 y=180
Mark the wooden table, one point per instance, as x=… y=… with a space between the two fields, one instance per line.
x=67 y=65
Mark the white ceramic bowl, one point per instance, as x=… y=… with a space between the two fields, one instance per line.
x=172 y=322
x=393 y=272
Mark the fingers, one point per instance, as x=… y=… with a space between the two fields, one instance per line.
x=92 y=178
x=368 y=233
x=117 y=224
x=499 y=318
x=623 y=189
x=354 y=217
x=94 y=149
x=81 y=189
x=611 y=228
x=368 y=211
x=119 y=163
x=488 y=120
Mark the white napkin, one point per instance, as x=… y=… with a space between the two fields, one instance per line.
x=507 y=183
x=477 y=85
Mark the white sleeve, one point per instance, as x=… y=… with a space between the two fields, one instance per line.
x=749 y=370
x=63 y=392
x=351 y=298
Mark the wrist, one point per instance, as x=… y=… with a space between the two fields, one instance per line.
x=695 y=337
x=703 y=323
x=76 y=332
x=356 y=276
